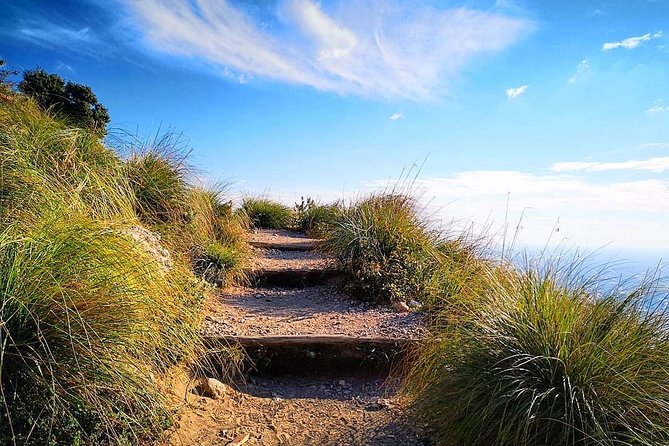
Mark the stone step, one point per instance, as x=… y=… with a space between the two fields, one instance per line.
x=313 y=311
x=293 y=277
x=319 y=354
x=282 y=240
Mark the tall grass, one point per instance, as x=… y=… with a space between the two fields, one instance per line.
x=268 y=214
x=387 y=250
x=87 y=316
x=158 y=176
x=193 y=221
x=37 y=150
x=544 y=361
x=221 y=252
x=315 y=219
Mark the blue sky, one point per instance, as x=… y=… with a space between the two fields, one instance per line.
x=560 y=108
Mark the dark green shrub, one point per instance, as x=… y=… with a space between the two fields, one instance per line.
x=73 y=102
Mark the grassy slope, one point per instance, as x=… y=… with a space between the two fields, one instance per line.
x=88 y=314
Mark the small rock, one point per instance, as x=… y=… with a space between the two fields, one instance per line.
x=211 y=388
x=342 y=383
x=384 y=403
x=414 y=303
x=239 y=440
x=401 y=306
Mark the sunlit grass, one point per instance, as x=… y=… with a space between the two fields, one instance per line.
x=268 y=214
x=541 y=360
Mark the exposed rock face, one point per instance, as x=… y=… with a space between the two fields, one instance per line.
x=151 y=242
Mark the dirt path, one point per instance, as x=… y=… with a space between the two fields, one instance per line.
x=344 y=403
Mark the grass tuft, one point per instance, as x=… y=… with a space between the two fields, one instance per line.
x=543 y=361
x=386 y=249
x=315 y=219
x=267 y=214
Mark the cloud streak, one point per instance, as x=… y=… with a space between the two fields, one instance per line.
x=631 y=42
x=354 y=47
x=656 y=165
x=582 y=69
x=396 y=116
x=512 y=93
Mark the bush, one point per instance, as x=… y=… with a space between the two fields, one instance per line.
x=388 y=252
x=316 y=219
x=545 y=362
x=268 y=214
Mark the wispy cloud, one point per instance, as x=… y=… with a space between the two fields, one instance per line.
x=658 y=107
x=657 y=165
x=582 y=69
x=46 y=33
x=351 y=47
x=62 y=66
x=512 y=93
x=396 y=116
x=631 y=42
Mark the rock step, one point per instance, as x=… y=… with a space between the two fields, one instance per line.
x=319 y=354
x=298 y=245
x=282 y=240
x=293 y=277
x=311 y=311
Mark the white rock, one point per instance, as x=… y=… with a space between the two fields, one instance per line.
x=211 y=388
x=401 y=306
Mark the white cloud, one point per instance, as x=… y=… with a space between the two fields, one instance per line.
x=582 y=69
x=658 y=107
x=512 y=93
x=47 y=33
x=396 y=116
x=593 y=214
x=631 y=42
x=656 y=165
x=354 y=47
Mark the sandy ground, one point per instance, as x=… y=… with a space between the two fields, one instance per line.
x=273 y=259
x=300 y=411
x=320 y=310
x=281 y=237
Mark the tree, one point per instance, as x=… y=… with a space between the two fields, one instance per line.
x=74 y=102
x=5 y=72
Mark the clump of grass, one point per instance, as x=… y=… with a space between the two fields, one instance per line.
x=86 y=316
x=316 y=219
x=267 y=214
x=220 y=263
x=388 y=251
x=543 y=361
x=41 y=160
x=158 y=177
x=220 y=249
